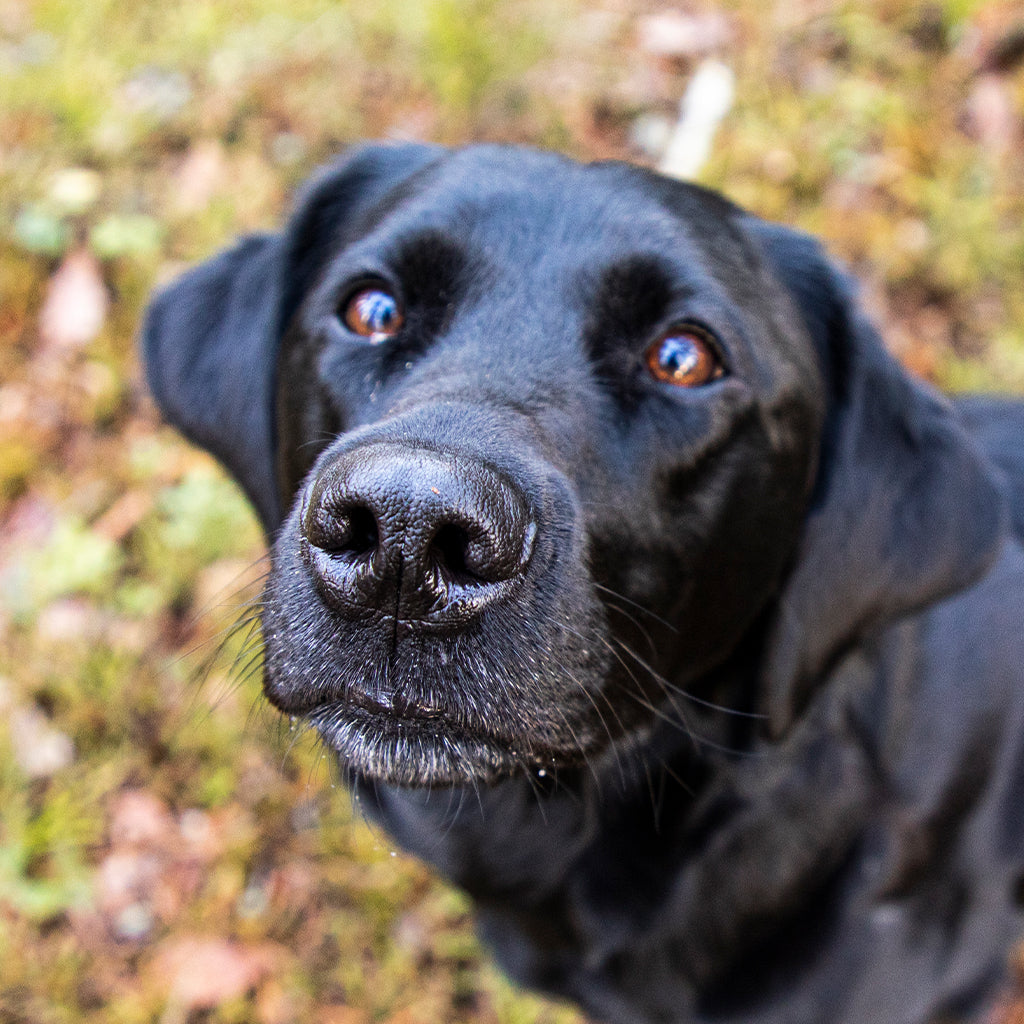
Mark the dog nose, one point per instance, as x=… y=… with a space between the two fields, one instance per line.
x=415 y=533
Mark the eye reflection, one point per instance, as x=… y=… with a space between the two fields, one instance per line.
x=684 y=357
x=374 y=314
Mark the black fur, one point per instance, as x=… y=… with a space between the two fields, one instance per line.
x=723 y=686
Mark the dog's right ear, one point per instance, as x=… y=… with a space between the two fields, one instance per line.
x=906 y=510
x=210 y=339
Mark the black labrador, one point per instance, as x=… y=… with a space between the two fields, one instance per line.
x=597 y=506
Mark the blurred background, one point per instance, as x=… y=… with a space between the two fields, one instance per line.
x=170 y=851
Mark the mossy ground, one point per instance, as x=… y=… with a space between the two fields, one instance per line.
x=159 y=828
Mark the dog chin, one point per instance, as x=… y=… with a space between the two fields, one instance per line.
x=413 y=753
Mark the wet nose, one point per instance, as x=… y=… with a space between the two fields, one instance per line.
x=415 y=533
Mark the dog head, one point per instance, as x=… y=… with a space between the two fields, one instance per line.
x=539 y=444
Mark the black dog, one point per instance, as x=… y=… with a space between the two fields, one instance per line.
x=597 y=505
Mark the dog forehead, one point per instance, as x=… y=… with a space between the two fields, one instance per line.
x=527 y=208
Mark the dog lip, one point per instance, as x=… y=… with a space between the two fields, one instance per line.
x=387 y=715
x=394 y=707
x=414 y=754
x=414 y=709
x=396 y=749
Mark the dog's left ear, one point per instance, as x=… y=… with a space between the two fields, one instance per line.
x=906 y=510
x=210 y=339
x=210 y=344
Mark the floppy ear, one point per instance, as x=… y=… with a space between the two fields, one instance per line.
x=209 y=344
x=211 y=338
x=905 y=510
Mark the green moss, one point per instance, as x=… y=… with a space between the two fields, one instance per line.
x=74 y=560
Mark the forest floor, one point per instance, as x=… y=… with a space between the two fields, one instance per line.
x=170 y=851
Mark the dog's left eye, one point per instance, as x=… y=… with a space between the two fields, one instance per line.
x=374 y=314
x=686 y=357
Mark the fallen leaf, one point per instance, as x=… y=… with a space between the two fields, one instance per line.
x=274 y=1005
x=139 y=819
x=39 y=749
x=201 y=175
x=991 y=118
x=202 y=973
x=678 y=35
x=124 y=515
x=341 y=1015
x=75 y=307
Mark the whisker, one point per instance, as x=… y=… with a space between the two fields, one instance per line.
x=632 y=618
x=327 y=436
x=670 y=686
x=647 y=611
x=575 y=736
x=450 y=815
x=681 y=720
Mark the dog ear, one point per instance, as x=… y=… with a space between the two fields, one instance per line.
x=210 y=339
x=905 y=509
x=209 y=346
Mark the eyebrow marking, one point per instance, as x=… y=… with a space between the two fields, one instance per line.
x=631 y=299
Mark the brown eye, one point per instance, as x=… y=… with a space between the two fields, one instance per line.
x=685 y=357
x=373 y=313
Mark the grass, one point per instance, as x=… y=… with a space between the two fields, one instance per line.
x=174 y=807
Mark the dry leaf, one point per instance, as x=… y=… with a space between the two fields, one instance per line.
x=75 y=307
x=342 y=1015
x=675 y=34
x=124 y=515
x=202 y=973
x=39 y=749
x=139 y=819
x=202 y=174
x=991 y=117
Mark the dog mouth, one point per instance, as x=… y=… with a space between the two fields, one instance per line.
x=416 y=745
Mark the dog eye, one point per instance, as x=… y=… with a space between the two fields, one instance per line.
x=373 y=313
x=686 y=357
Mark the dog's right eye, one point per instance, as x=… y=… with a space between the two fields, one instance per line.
x=374 y=314
x=685 y=357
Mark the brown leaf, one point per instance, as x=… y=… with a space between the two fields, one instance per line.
x=201 y=973
x=341 y=1015
x=39 y=749
x=275 y=1005
x=991 y=117
x=201 y=175
x=139 y=819
x=75 y=307
x=124 y=515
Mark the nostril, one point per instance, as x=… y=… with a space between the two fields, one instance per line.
x=351 y=530
x=448 y=552
x=364 y=535
x=477 y=553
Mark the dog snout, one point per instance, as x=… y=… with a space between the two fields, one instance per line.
x=414 y=533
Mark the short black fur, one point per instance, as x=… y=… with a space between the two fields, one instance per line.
x=723 y=685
